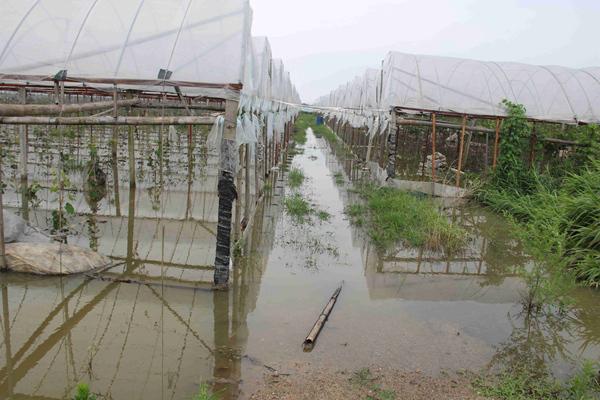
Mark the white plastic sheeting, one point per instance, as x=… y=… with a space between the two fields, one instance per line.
x=465 y=86
x=199 y=41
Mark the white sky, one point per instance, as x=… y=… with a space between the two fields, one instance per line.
x=325 y=43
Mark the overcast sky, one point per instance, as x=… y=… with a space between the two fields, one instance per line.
x=325 y=43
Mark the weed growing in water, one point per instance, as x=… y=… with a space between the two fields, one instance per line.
x=83 y=393
x=339 y=178
x=204 y=393
x=394 y=215
x=301 y=211
x=527 y=384
x=556 y=212
x=303 y=122
x=297 y=207
x=323 y=215
x=295 y=178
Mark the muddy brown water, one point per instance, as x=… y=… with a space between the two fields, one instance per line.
x=409 y=309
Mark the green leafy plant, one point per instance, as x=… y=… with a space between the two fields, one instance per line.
x=83 y=393
x=204 y=393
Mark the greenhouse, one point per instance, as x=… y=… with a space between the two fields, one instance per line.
x=449 y=113
x=174 y=104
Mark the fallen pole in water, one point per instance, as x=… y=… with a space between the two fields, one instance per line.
x=310 y=340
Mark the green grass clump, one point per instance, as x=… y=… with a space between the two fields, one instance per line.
x=303 y=122
x=83 y=393
x=527 y=384
x=204 y=393
x=339 y=178
x=295 y=178
x=323 y=215
x=395 y=216
x=297 y=207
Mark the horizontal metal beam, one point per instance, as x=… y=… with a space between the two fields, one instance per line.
x=30 y=110
x=121 y=81
x=416 y=122
x=179 y=106
x=107 y=120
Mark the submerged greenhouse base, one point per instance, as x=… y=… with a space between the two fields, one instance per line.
x=428 y=188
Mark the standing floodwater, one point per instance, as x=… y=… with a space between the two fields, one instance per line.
x=409 y=309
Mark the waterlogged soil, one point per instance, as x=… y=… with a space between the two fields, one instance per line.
x=309 y=384
x=414 y=318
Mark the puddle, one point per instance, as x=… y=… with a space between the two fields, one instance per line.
x=407 y=310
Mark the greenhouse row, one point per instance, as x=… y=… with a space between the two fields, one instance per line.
x=173 y=106
x=439 y=119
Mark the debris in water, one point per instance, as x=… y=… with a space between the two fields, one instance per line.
x=310 y=340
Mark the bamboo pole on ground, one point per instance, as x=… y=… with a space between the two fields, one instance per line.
x=460 y=150
x=310 y=340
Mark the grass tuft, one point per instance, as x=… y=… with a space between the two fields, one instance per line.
x=323 y=215
x=204 y=393
x=297 y=207
x=395 y=216
x=526 y=384
x=83 y=393
x=295 y=178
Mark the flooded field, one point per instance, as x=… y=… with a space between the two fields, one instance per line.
x=151 y=329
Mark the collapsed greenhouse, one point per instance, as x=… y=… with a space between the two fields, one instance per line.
x=171 y=111
x=434 y=121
